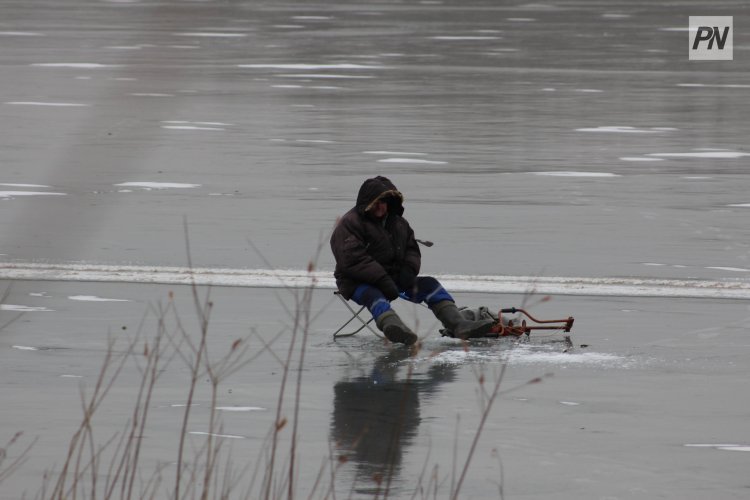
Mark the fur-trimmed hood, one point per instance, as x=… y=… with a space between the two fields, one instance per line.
x=377 y=188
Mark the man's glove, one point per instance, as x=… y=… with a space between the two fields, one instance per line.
x=406 y=278
x=388 y=287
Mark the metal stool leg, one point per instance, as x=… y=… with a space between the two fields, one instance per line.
x=355 y=314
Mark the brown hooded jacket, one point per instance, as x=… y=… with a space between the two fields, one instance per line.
x=368 y=249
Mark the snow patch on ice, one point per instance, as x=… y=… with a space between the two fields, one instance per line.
x=49 y=104
x=720 y=446
x=733 y=269
x=20 y=308
x=310 y=66
x=323 y=76
x=469 y=37
x=639 y=158
x=158 y=185
x=229 y=436
x=76 y=65
x=240 y=408
x=25 y=185
x=20 y=33
x=740 y=205
x=703 y=154
x=94 y=298
x=24 y=348
x=716 y=85
x=411 y=160
x=624 y=129
x=398 y=153
x=210 y=35
x=576 y=174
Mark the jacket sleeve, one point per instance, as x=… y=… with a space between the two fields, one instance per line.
x=350 y=251
x=412 y=254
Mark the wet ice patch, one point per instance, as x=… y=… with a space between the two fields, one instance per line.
x=148 y=186
x=575 y=174
x=94 y=298
x=623 y=129
x=525 y=356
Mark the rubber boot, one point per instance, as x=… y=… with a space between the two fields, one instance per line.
x=452 y=319
x=394 y=329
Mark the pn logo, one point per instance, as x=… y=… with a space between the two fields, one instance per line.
x=710 y=38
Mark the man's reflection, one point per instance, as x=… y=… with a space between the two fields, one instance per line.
x=375 y=417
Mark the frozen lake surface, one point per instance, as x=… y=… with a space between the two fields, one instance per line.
x=567 y=150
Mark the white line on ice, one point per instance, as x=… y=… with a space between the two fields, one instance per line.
x=17 y=308
x=314 y=75
x=94 y=298
x=158 y=185
x=240 y=408
x=212 y=35
x=230 y=436
x=296 y=278
x=20 y=33
x=11 y=194
x=76 y=65
x=411 y=160
x=310 y=66
x=703 y=154
x=25 y=185
x=576 y=174
x=52 y=104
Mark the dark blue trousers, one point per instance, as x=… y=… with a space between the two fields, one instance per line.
x=426 y=289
